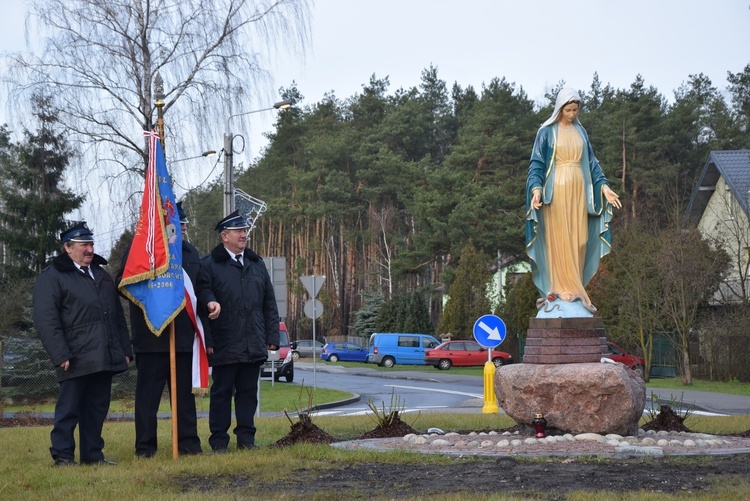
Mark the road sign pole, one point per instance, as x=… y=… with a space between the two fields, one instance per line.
x=312 y=310
x=489 y=331
x=315 y=386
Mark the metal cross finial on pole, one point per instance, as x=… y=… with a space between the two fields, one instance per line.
x=159 y=97
x=229 y=155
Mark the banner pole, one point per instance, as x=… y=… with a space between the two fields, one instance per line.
x=173 y=388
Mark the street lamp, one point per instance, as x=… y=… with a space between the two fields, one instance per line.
x=204 y=154
x=229 y=155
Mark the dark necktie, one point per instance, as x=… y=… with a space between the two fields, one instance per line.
x=238 y=257
x=85 y=270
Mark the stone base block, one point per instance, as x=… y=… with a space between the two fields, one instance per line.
x=574 y=398
x=565 y=341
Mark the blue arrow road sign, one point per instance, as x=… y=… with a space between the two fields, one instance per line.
x=489 y=331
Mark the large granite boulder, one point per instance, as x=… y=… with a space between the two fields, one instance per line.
x=574 y=398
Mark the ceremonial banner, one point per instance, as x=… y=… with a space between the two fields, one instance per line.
x=200 y=358
x=152 y=276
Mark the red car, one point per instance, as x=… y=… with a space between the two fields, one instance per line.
x=618 y=355
x=463 y=353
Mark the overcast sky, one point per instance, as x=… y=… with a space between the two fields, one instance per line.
x=534 y=43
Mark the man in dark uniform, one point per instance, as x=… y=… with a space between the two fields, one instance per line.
x=79 y=318
x=152 y=361
x=236 y=290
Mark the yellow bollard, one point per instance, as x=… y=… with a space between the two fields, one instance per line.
x=490 y=400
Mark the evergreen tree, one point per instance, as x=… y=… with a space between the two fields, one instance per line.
x=386 y=319
x=417 y=317
x=467 y=294
x=365 y=319
x=33 y=201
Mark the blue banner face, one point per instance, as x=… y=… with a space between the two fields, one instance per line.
x=162 y=296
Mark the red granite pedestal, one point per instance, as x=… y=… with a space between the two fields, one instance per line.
x=565 y=341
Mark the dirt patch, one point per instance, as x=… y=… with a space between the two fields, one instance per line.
x=547 y=479
x=395 y=428
x=304 y=431
x=667 y=420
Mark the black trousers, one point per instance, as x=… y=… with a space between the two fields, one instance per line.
x=84 y=402
x=153 y=375
x=242 y=380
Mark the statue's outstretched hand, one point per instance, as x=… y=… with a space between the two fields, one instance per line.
x=536 y=199
x=612 y=197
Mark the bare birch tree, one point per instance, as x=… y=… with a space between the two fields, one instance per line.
x=99 y=58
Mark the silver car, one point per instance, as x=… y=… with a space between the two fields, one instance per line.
x=304 y=348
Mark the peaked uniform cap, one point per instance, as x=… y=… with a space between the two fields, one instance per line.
x=79 y=232
x=181 y=214
x=232 y=222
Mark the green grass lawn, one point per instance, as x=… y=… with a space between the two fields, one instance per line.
x=26 y=470
x=729 y=387
x=276 y=398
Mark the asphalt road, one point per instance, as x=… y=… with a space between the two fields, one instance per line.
x=441 y=391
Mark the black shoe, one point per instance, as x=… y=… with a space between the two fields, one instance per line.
x=65 y=462
x=220 y=450
x=101 y=462
x=246 y=447
x=189 y=452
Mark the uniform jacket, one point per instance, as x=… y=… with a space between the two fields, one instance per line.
x=249 y=319
x=80 y=319
x=145 y=341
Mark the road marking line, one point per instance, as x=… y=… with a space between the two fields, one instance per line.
x=474 y=395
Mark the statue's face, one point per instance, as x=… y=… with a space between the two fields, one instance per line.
x=569 y=113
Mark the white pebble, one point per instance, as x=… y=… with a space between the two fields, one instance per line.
x=530 y=441
x=689 y=443
x=648 y=441
x=440 y=442
x=487 y=443
x=516 y=443
x=409 y=437
x=503 y=443
x=592 y=437
x=663 y=442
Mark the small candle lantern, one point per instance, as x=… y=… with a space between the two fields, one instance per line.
x=539 y=424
